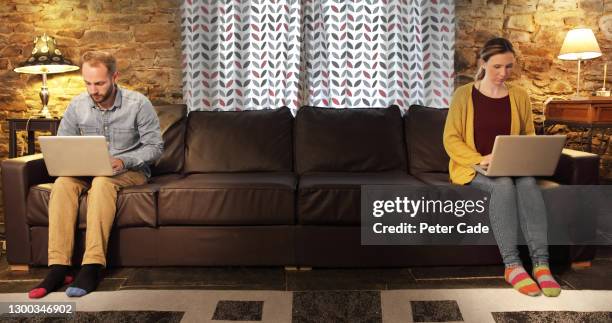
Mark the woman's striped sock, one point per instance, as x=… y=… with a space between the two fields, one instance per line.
x=547 y=282
x=520 y=280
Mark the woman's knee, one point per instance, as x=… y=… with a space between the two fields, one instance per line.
x=503 y=186
x=526 y=181
x=502 y=182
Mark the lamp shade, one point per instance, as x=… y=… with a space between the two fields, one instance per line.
x=46 y=58
x=579 y=44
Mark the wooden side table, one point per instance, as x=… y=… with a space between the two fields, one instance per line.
x=29 y=125
x=592 y=114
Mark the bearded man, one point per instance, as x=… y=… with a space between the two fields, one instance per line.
x=130 y=125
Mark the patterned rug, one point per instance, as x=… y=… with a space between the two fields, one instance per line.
x=432 y=305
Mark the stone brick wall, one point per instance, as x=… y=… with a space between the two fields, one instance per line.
x=537 y=29
x=145 y=36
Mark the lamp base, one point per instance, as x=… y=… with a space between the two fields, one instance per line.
x=44 y=113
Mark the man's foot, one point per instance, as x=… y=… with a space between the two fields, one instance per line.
x=547 y=282
x=520 y=280
x=86 y=281
x=56 y=278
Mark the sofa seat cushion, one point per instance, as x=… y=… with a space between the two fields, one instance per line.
x=136 y=206
x=334 y=198
x=433 y=178
x=229 y=199
x=436 y=178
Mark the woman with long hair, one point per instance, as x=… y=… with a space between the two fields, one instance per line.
x=479 y=112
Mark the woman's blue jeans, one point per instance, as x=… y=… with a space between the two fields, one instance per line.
x=515 y=200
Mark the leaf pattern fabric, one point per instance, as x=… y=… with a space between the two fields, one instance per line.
x=242 y=55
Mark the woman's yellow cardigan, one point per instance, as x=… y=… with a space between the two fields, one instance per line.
x=459 y=129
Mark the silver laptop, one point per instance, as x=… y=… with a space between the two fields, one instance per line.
x=76 y=155
x=517 y=155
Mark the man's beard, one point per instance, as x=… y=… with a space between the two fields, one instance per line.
x=106 y=96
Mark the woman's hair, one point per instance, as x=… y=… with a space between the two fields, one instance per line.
x=99 y=57
x=492 y=47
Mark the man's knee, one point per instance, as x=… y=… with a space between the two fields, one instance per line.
x=67 y=184
x=103 y=183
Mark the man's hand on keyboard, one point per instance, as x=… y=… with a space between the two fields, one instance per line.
x=117 y=165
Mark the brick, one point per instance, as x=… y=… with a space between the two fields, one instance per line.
x=4 y=63
x=561 y=86
x=592 y=6
x=565 y=4
x=156 y=32
x=464 y=58
x=517 y=37
x=19 y=38
x=552 y=18
x=521 y=22
x=168 y=53
x=93 y=37
x=128 y=19
x=11 y=51
x=520 y=9
x=605 y=25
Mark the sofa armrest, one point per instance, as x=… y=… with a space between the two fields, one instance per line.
x=18 y=175
x=577 y=168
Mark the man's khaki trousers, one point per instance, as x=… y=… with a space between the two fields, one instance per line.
x=101 y=208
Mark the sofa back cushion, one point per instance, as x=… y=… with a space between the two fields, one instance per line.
x=172 y=120
x=424 y=127
x=349 y=140
x=239 y=141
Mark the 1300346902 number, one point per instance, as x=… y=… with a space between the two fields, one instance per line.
x=31 y=308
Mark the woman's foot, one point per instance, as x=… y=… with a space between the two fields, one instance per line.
x=56 y=278
x=520 y=280
x=547 y=282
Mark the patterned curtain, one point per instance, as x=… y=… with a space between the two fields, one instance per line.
x=376 y=53
x=240 y=54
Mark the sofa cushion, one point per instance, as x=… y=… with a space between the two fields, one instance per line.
x=172 y=121
x=349 y=140
x=433 y=178
x=136 y=206
x=441 y=179
x=244 y=141
x=228 y=199
x=334 y=198
x=424 y=128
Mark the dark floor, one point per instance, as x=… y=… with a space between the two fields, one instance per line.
x=597 y=277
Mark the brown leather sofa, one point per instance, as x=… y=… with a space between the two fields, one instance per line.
x=262 y=188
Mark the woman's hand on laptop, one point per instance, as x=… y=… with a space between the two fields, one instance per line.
x=486 y=160
x=117 y=164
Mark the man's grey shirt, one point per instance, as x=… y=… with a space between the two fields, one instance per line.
x=131 y=127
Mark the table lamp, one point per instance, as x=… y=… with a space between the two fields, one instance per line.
x=45 y=59
x=579 y=44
